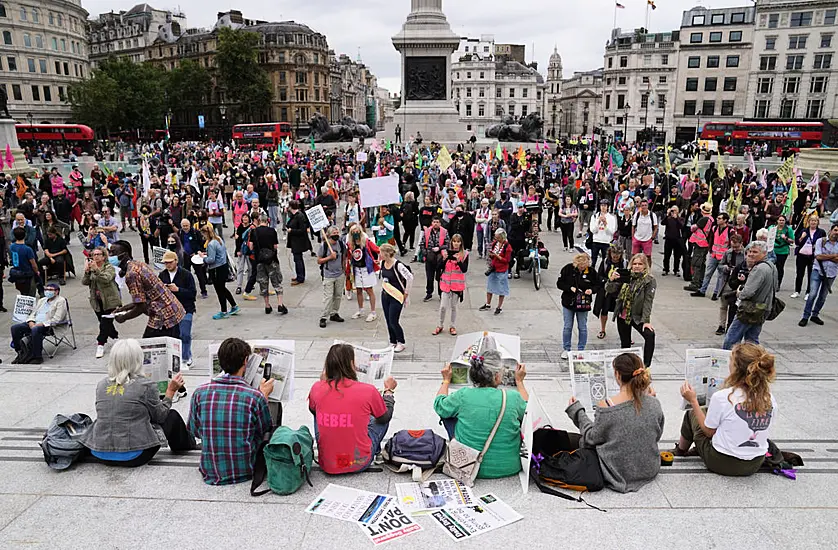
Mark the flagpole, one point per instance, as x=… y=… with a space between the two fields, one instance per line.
x=647 y=17
x=615 y=15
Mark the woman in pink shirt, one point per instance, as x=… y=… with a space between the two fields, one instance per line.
x=240 y=207
x=350 y=417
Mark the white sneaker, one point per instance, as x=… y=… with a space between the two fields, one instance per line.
x=100 y=352
x=372 y=317
x=399 y=348
x=806 y=297
x=794 y=295
x=564 y=355
x=358 y=314
x=184 y=365
x=189 y=362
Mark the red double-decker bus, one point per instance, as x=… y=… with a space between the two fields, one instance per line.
x=78 y=136
x=778 y=135
x=261 y=136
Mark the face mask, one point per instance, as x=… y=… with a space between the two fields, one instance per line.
x=356 y=237
x=334 y=238
x=172 y=247
x=114 y=261
x=49 y=294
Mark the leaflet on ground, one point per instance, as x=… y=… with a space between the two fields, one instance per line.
x=465 y=523
x=705 y=370
x=476 y=344
x=161 y=359
x=592 y=374
x=433 y=495
x=270 y=359
x=372 y=365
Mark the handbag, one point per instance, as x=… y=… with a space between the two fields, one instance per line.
x=583 y=301
x=462 y=462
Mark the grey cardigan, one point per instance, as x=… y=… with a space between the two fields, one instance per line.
x=124 y=416
x=626 y=441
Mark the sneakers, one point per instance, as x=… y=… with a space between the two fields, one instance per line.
x=358 y=314
x=180 y=394
x=189 y=362
x=235 y=310
x=238 y=290
x=295 y=282
x=268 y=310
x=399 y=348
x=204 y=295
x=249 y=297
x=803 y=322
x=100 y=352
x=691 y=288
x=794 y=295
x=322 y=323
x=484 y=307
x=817 y=320
x=220 y=315
x=564 y=354
x=715 y=297
x=676 y=274
x=665 y=273
x=336 y=318
x=720 y=330
x=806 y=297
x=498 y=311
x=697 y=294
x=372 y=317
x=282 y=310
x=428 y=298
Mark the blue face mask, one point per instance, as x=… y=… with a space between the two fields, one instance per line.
x=114 y=261
x=49 y=294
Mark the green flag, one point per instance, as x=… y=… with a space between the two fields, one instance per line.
x=499 y=152
x=311 y=141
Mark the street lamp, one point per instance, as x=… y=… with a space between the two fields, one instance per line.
x=222 y=109
x=697 y=125
x=626 y=109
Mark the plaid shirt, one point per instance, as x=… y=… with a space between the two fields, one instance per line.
x=230 y=418
x=164 y=310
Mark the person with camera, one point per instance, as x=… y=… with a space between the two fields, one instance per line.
x=100 y=277
x=603 y=227
x=578 y=282
x=497 y=280
x=434 y=241
x=755 y=298
x=633 y=309
x=519 y=226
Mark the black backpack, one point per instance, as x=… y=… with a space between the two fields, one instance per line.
x=557 y=464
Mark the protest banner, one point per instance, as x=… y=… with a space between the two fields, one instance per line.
x=391 y=525
x=378 y=191
x=24 y=306
x=434 y=494
x=463 y=523
x=592 y=374
x=269 y=359
x=535 y=417
x=161 y=359
x=348 y=504
x=361 y=156
x=772 y=237
x=475 y=344
x=157 y=257
x=317 y=218
x=444 y=159
x=373 y=366
x=705 y=370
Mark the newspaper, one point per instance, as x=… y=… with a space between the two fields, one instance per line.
x=373 y=366
x=161 y=360
x=23 y=308
x=433 y=494
x=705 y=370
x=592 y=374
x=270 y=359
x=474 y=344
x=348 y=504
x=463 y=523
x=157 y=257
x=535 y=417
x=391 y=525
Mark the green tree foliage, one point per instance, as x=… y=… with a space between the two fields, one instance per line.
x=95 y=102
x=246 y=84
x=188 y=86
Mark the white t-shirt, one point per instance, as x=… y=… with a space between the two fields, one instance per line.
x=216 y=205
x=644 y=226
x=738 y=432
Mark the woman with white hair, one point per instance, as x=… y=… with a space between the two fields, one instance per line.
x=470 y=414
x=128 y=407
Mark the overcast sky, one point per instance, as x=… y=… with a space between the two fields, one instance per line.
x=579 y=28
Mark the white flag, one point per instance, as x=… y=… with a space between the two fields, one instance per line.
x=146 y=177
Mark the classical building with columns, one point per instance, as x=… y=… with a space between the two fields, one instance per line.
x=580 y=104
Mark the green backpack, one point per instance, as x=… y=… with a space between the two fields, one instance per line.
x=285 y=460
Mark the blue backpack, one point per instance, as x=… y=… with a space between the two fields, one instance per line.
x=245 y=250
x=417 y=451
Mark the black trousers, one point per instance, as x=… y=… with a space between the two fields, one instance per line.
x=409 y=235
x=178 y=437
x=432 y=275
x=148 y=242
x=251 y=278
x=624 y=330
x=219 y=283
x=781 y=267
x=200 y=272
x=670 y=246
x=106 y=327
x=173 y=332
x=567 y=234
x=804 y=268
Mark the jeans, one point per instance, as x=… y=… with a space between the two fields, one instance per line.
x=219 y=229
x=36 y=337
x=739 y=331
x=185 y=327
x=299 y=267
x=480 y=245
x=392 y=312
x=450 y=425
x=581 y=318
x=273 y=212
x=624 y=329
x=818 y=291
x=178 y=437
x=712 y=266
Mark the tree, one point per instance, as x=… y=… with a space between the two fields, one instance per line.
x=245 y=83
x=188 y=86
x=95 y=101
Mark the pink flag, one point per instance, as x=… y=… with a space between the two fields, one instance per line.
x=610 y=164
x=538 y=146
x=597 y=164
x=816 y=179
x=10 y=159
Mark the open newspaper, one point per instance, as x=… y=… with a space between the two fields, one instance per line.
x=592 y=374
x=270 y=359
x=705 y=370
x=161 y=360
x=463 y=523
x=372 y=365
x=433 y=494
x=476 y=344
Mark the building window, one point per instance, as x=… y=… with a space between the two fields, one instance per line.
x=788 y=107
x=662 y=80
x=468 y=109
x=791 y=85
x=647 y=59
x=735 y=36
x=717 y=19
x=66 y=69
x=797 y=42
x=607 y=101
x=31 y=64
x=482 y=75
x=664 y=59
x=692 y=85
x=7 y=38
x=42 y=64
x=730 y=84
x=770 y=42
x=624 y=61
x=621 y=101
x=818 y=84
x=468 y=75
x=12 y=62
x=801 y=19
x=23 y=14
x=732 y=61
x=523 y=110
x=715 y=37
x=621 y=81
x=301 y=94
x=794 y=62
x=829 y=18
x=36 y=93
x=55 y=44
x=767 y=62
x=619 y=121
x=689 y=108
x=47 y=93
x=694 y=62
x=2 y=10
x=727 y=107
x=645 y=80
x=696 y=38
x=64 y=46
x=511 y=92
x=512 y=110
x=39 y=41
x=481 y=92
x=468 y=92
x=35 y=16
x=712 y=61
x=826 y=41
x=498 y=93
x=661 y=101
x=283 y=94
x=498 y=111
x=773 y=20
x=481 y=110
x=708 y=108
x=538 y=95
x=51 y=19
x=27 y=40
x=16 y=93
x=698 y=20
x=301 y=78
x=524 y=92
x=610 y=62
x=738 y=17
x=823 y=60
x=710 y=84
x=814 y=109
x=644 y=101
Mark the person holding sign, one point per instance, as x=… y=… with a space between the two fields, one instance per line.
x=633 y=309
x=50 y=314
x=384 y=228
x=331 y=259
x=361 y=268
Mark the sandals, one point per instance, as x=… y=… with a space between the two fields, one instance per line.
x=452 y=331
x=601 y=334
x=436 y=331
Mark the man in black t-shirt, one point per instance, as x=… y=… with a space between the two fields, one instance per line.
x=265 y=243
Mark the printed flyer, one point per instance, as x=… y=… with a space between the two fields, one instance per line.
x=433 y=494
x=464 y=523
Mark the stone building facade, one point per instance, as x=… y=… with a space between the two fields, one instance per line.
x=580 y=105
x=127 y=34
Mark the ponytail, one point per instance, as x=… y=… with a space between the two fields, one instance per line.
x=753 y=372
x=631 y=371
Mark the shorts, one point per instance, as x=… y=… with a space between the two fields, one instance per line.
x=363 y=278
x=266 y=273
x=641 y=246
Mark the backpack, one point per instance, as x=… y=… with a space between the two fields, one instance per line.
x=555 y=464
x=287 y=462
x=245 y=249
x=417 y=451
x=62 y=441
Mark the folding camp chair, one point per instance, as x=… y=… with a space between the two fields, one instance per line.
x=68 y=338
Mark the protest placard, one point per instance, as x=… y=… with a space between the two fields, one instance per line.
x=772 y=237
x=372 y=366
x=24 y=306
x=391 y=525
x=161 y=359
x=463 y=523
x=592 y=374
x=361 y=156
x=433 y=494
x=157 y=257
x=705 y=370
x=269 y=359
x=317 y=218
x=444 y=159
x=348 y=504
x=475 y=344
x=378 y=191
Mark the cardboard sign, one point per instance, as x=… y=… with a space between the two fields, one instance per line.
x=361 y=156
x=378 y=191
x=24 y=305
x=317 y=218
